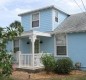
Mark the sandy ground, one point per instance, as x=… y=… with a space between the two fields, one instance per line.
x=20 y=75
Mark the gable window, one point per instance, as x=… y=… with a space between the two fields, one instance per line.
x=56 y=19
x=35 y=20
x=61 y=45
x=56 y=16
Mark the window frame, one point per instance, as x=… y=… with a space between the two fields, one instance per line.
x=35 y=20
x=60 y=54
x=56 y=19
x=56 y=16
x=55 y=47
x=14 y=47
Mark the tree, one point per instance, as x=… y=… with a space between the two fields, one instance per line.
x=8 y=34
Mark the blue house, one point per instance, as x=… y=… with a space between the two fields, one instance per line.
x=52 y=31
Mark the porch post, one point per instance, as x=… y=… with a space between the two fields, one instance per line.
x=19 y=54
x=33 y=38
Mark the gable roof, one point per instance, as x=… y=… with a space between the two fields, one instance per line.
x=74 y=23
x=44 y=8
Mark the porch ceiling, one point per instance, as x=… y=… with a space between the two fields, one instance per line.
x=37 y=33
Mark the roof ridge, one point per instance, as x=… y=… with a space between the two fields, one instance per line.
x=38 y=9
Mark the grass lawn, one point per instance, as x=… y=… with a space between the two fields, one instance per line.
x=74 y=75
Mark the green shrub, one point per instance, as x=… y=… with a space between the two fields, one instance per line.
x=5 y=65
x=48 y=62
x=64 y=66
x=5 y=78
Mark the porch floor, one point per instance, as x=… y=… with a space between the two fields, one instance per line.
x=29 y=67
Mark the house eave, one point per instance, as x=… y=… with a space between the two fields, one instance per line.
x=37 y=33
x=36 y=10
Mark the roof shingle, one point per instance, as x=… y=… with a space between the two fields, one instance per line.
x=74 y=23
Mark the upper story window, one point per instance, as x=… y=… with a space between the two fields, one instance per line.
x=56 y=16
x=56 y=19
x=35 y=20
x=61 y=45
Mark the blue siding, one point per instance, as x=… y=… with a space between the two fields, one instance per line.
x=26 y=22
x=48 y=45
x=61 y=18
x=24 y=47
x=9 y=46
x=45 y=21
x=77 y=47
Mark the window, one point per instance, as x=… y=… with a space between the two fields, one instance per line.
x=61 y=44
x=56 y=19
x=35 y=20
x=16 y=46
x=56 y=16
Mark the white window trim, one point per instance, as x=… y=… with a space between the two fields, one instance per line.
x=55 y=50
x=31 y=20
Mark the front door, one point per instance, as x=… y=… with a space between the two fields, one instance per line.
x=37 y=46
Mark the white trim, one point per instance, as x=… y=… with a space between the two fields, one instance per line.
x=37 y=33
x=19 y=43
x=36 y=10
x=53 y=15
x=12 y=46
x=67 y=44
x=55 y=46
x=56 y=16
x=41 y=34
x=55 y=54
x=31 y=21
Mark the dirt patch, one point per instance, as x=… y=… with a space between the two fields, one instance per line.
x=20 y=75
x=77 y=72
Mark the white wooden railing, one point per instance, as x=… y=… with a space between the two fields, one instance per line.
x=26 y=59
x=37 y=59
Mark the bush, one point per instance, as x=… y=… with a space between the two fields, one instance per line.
x=64 y=66
x=5 y=78
x=5 y=65
x=48 y=62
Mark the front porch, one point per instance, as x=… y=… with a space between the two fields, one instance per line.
x=28 y=56
x=25 y=61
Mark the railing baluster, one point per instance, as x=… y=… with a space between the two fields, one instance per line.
x=25 y=60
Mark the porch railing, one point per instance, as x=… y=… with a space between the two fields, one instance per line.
x=25 y=60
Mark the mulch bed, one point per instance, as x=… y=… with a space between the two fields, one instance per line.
x=21 y=75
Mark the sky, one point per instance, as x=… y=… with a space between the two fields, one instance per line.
x=9 y=9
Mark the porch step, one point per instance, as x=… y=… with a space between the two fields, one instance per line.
x=37 y=70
